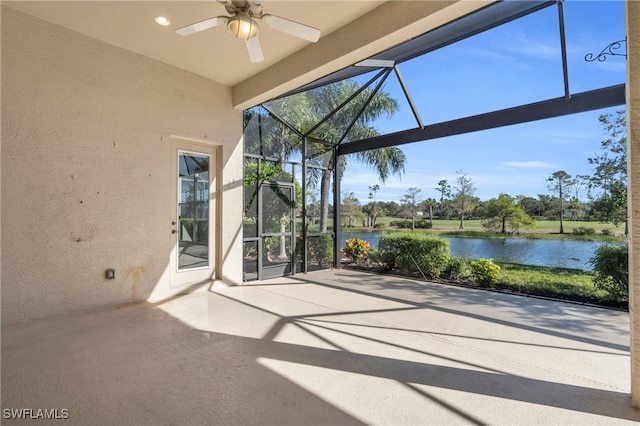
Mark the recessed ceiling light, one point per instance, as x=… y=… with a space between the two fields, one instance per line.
x=162 y=21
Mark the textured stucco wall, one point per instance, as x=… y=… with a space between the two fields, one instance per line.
x=86 y=169
x=633 y=156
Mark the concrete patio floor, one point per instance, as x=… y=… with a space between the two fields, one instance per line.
x=325 y=348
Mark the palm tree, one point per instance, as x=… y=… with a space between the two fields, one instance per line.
x=306 y=111
x=560 y=182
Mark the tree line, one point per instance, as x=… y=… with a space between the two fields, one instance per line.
x=605 y=192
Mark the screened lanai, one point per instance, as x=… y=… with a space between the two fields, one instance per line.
x=297 y=145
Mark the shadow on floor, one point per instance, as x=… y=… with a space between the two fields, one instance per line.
x=257 y=356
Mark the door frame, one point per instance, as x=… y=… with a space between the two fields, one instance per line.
x=196 y=276
x=266 y=272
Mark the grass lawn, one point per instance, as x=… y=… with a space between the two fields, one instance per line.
x=561 y=283
x=544 y=229
x=544 y=226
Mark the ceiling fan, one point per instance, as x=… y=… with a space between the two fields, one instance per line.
x=243 y=23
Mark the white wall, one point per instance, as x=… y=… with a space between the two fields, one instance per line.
x=86 y=169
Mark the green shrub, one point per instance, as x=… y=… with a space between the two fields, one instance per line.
x=611 y=267
x=423 y=224
x=606 y=231
x=406 y=224
x=457 y=268
x=410 y=252
x=320 y=249
x=356 y=249
x=401 y=223
x=485 y=272
x=583 y=230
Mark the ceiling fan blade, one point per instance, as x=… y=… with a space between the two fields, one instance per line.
x=202 y=25
x=291 y=27
x=255 y=50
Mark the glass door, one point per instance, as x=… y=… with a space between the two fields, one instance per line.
x=193 y=259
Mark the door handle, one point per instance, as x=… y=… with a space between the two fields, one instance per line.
x=173 y=231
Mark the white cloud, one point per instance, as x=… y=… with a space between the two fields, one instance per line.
x=528 y=164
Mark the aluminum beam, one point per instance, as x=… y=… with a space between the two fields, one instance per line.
x=581 y=102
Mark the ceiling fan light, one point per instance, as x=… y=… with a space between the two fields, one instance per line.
x=242 y=26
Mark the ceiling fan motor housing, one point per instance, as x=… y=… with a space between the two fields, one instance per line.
x=242 y=25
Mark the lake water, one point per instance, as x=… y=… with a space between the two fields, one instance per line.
x=559 y=253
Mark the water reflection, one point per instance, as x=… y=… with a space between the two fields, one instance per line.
x=558 y=253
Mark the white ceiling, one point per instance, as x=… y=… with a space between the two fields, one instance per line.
x=214 y=53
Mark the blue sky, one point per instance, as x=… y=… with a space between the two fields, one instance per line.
x=514 y=64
